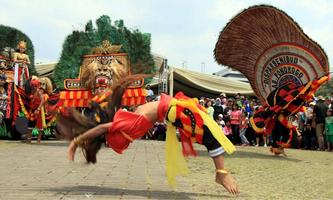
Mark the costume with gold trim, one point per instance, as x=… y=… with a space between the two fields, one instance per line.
x=283 y=65
x=180 y=112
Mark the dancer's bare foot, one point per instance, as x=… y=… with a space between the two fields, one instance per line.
x=227 y=182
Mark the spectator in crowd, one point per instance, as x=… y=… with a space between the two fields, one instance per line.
x=309 y=112
x=159 y=131
x=220 y=121
x=296 y=143
x=329 y=129
x=319 y=114
x=224 y=103
x=235 y=120
x=227 y=110
x=247 y=108
x=223 y=98
x=243 y=128
x=227 y=130
x=149 y=98
x=328 y=102
x=150 y=92
x=300 y=120
x=218 y=109
x=202 y=102
x=262 y=136
x=309 y=137
x=238 y=100
x=210 y=108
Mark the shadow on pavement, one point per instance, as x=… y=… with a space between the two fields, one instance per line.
x=159 y=194
x=248 y=154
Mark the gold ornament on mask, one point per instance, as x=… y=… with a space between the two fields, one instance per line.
x=22 y=45
x=106 y=48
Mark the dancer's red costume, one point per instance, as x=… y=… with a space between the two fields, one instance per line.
x=128 y=126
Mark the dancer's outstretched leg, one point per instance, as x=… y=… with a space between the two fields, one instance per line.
x=223 y=177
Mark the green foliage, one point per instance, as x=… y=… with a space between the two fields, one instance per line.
x=326 y=89
x=79 y=43
x=3 y=131
x=10 y=37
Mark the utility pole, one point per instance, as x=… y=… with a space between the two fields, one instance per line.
x=203 y=67
x=184 y=64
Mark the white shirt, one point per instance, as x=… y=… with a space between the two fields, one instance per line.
x=150 y=92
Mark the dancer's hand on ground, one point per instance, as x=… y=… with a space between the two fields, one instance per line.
x=227 y=182
x=71 y=150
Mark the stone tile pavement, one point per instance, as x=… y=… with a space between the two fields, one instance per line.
x=39 y=172
x=32 y=171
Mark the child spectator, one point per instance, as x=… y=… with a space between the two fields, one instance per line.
x=220 y=121
x=243 y=127
x=227 y=130
x=329 y=129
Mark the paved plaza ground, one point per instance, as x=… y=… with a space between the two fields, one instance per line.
x=42 y=172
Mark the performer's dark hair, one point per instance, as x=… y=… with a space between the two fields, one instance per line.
x=73 y=123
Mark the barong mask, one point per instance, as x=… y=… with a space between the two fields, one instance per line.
x=104 y=67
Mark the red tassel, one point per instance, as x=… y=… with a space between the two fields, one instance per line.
x=187 y=145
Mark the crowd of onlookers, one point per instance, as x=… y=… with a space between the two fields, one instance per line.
x=232 y=113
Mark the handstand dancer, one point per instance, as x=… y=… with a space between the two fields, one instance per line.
x=123 y=127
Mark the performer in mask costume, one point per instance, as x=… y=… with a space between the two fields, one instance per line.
x=284 y=67
x=22 y=63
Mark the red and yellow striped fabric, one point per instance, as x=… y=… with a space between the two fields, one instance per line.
x=134 y=97
x=102 y=97
x=82 y=98
x=78 y=98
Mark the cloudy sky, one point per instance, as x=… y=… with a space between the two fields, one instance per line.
x=183 y=31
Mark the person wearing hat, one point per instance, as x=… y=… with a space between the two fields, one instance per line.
x=319 y=114
x=202 y=102
x=223 y=95
x=224 y=100
x=220 y=121
x=328 y=102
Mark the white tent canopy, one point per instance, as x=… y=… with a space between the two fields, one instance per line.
x=195 y=84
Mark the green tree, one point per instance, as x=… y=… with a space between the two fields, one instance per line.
x=79 y=43
x=10 y=37
x=326 y=89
